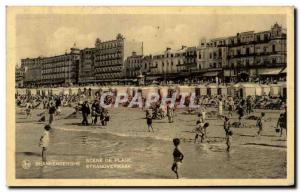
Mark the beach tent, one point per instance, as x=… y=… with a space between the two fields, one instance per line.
x=188 y=90
x=28 y=91
x=70 y=92
x=62 y=91
x=283 y=90
x=247 y=90
x=258 y=90
x=56 y=91
x=163 y=91
x=135 y=90
x=265 y=89
x=49 y=91
x=275 y=90
x=121 y=90
x=74 y=90
x=200 y=90
x=44 y=92
x=33 y=91
x=147 y=90
x=130 y=91
x=38 y=91
x=222 y=90
x=171 y=91
x=21 y=91
x=212 y=89
x=234 y=89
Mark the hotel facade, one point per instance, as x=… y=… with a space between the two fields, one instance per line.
x=246 y=56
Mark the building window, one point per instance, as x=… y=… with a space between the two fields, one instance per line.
x=266 y=37
x=265 y=49
x=247 y=51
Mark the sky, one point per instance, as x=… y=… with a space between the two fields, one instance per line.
x=53 y=34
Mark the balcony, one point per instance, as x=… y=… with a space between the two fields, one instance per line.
x=256 y=65
x=254 y=54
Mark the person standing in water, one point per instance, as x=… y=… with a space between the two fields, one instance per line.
x=149 y=121
x=260 y=123
x=28 y=109
x=44 y=141
x=170 y=113
x=228 y=140
x=200 y=131
x=52 y=110
x=178 y=157
x=230 y=106
x=226 y=125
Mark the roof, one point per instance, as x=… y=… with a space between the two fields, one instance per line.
x=249 y=85
x=211 y=74
x=283 y=70
x=270 y=71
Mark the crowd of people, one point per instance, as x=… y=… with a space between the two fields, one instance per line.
x=89 y=106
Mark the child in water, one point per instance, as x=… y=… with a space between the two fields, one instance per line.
x=149 y=122
x=178 y=157
x=228 y=140
x=260 y=123
x=44 y=141
x=226 y=125
x=200 y=131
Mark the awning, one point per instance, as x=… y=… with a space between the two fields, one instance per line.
x=283 y=70
x=229 y=73
x=270 y=71
x=211 y=74
x=149 y=78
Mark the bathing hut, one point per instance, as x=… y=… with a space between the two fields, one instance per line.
x=163 y=91
x=145 y=91
x=55 y=91
x=200 y=90
x=265 y=89
x=275 y=90
x=21 y=91
x=235 y=89
x=130 y=91
x=212 y=89
x=33 y=91
x=283 y=90
x=188 y=90
x=247 y=89
x=121 y=90
x=222 y=90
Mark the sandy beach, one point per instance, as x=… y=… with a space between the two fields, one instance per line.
x=111 y=151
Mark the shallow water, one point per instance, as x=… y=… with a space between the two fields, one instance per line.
x=149 y=157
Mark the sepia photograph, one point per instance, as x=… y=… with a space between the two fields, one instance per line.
x=150 y=96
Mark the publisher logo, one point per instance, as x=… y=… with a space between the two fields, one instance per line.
x=26 y=164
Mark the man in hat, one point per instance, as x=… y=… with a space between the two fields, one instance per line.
x=85 y=109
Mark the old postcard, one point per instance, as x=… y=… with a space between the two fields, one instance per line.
x=150 y=96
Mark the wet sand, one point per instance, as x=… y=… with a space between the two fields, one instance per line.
x=150 y=154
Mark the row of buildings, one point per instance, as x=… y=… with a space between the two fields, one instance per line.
x=245 y=56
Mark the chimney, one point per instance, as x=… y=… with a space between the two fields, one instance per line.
x=133 y=53
x=183 y=47
x=168 y=49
